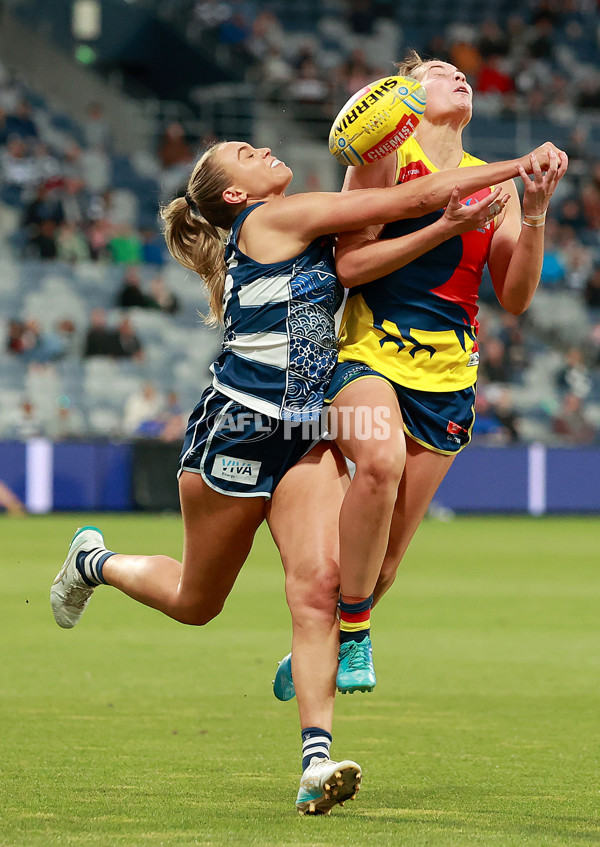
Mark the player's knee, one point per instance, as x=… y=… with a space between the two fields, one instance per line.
x=381 y=466
x=198 y=614
x=312 y=591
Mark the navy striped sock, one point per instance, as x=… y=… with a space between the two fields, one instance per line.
x=90 y=563
x=315 y=742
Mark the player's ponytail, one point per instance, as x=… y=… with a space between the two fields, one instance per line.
x=196 y=226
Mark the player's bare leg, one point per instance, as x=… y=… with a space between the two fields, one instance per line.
x=367 y=509
x=303 y=518
x=369 y=431
x=422 y=476
x=218 y=535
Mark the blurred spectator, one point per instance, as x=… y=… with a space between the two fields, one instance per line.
x=570 y=212
x=495 y=363
x=125 y=246
x=490 y=427
x=553 y=267
x=129 y=345
x=574 y=376
x=50 y=345
x=131 y=295
x=590 y=196
x=589 y=94
x=68 y=422
x=592 y=289
x=267 y=35
x=21 y=337
x=44 y=206
x=173 y=419
x=21 y=123
x=18 y=170
x=493 y=41
x=162 y=297
x=173 y=147
x=572 y=422
x=25 y=422
x=100 y=340
x=360 y=16
x=466 y=56
x=72 y=245
x=42 y=244
x=153 y=247
x=141 y=415
x=494 y=78
x=96 y=130
x=309 y=93
x=234 y=33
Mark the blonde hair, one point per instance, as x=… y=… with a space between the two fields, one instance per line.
x=196 y=226
x=413 y=65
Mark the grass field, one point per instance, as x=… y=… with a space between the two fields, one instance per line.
x=135 y=730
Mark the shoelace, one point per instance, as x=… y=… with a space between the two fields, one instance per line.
x=359 y=655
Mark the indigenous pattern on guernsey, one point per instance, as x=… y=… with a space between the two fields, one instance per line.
x=417 y=325
x=279 y=346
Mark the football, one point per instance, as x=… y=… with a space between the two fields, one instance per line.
x=377 y=120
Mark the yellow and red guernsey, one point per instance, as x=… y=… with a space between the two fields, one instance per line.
x=418 y=325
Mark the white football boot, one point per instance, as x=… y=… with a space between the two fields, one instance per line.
x=69 y=594
x=325 y=784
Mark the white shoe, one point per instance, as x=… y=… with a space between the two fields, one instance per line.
x=69 y=594
x=325 y=783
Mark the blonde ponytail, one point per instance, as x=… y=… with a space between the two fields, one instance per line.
x=196 y=226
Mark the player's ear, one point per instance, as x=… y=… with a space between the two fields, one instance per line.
x=234 y=195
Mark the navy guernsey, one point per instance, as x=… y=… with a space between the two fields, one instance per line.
x=279 y=346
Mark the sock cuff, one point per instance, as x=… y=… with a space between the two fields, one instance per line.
x=315 y=732
x=356 y=608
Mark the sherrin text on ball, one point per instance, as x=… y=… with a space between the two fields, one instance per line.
x=377 y=120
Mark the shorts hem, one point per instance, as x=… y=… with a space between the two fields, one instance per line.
x=216 y=488
x=433 y=449
x=329 y=401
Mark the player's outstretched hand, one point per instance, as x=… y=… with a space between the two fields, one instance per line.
x=540 y=189
x=542 y=154
x=461 y=218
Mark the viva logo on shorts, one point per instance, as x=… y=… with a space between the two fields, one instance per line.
x=241 y=470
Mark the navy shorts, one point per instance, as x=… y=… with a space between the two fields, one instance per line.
x=442 y=421
x=241 y=452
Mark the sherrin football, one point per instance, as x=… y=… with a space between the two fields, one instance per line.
x=377 y=120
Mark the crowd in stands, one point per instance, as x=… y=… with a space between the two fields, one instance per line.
x=68 y=199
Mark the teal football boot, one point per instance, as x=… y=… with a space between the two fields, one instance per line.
x=283 y=684
x=355 y=670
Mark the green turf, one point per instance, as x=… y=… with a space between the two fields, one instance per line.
x=135 y=730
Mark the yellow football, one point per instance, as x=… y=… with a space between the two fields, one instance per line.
x=377 y=120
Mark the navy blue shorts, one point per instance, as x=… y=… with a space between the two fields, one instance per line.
x=442 y=421
x=241 y=452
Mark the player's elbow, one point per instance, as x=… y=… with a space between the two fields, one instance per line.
x=347 y=271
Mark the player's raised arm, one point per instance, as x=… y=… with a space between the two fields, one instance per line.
x=361 y=257
x=319 y=213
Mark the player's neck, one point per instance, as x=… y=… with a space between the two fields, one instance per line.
x=442 y=144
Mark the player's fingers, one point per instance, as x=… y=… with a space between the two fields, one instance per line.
x=454 y=202
x=524 y=175
x=537 y=171
x=491 y=198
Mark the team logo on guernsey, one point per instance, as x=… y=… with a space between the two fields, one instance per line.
x=473 y=359
x=239 y=470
